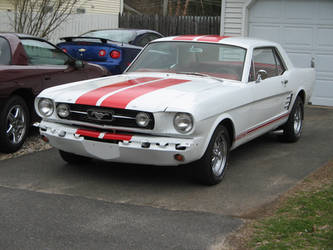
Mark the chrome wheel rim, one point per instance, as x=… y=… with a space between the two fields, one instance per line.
x=298 y=120
x=16 y=126
x=219 y=155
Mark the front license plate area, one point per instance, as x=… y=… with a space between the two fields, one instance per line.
x=104 y=151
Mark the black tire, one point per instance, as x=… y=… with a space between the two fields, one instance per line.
x=73 y=158
x=292 y=130
x=208 y=171
x=14 y=124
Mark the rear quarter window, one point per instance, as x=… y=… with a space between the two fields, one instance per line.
x=5 y=55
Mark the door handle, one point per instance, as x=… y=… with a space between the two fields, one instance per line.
x=284 y=82
x=47 y=78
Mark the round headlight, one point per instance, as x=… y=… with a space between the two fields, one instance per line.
x=142 y=119
x=63 y=110
x=45 y=107
x=183 y=122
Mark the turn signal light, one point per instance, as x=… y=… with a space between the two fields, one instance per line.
x=179 y=157
x=44 y=138
x=115 y=54
x=102 y=52
x=64 y=50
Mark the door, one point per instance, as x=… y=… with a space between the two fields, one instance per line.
x=52 y=63
x=305 y=30
x=270 y=90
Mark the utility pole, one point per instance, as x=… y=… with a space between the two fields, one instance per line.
x=165 y=7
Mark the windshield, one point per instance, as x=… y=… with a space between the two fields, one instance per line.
x=125 y=36
x=216 y=60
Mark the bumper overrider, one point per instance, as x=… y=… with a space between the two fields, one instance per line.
x=121 y=146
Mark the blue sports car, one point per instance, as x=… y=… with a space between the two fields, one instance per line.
x=114 y=49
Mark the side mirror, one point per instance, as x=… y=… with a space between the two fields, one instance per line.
x=78 y=64
x=261 y=75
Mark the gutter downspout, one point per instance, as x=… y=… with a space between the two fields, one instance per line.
x=222 y=18
x=121 y=7
x=245 y=21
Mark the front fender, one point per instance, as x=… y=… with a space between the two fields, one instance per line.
x=214 y=122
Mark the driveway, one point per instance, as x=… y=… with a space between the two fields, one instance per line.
x=46 y=203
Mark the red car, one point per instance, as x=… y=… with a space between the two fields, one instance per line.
x=27 y=66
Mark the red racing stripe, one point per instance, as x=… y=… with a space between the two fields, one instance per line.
x=211 y=38
x=118 y=137
x=91 y=97
x=89 y=133
x=107 y=136
x=186 y=37
x=123 y=98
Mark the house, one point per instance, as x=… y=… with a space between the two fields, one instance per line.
x=87 y=15
x=83 y=6
x=303 y=27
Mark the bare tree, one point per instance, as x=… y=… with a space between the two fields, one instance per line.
x=40 y=17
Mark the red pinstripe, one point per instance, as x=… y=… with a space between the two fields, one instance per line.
x=240 y=136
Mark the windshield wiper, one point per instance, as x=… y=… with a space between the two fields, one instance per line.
x=200 y=74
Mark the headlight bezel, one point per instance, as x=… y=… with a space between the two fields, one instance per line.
x=47 y=103
x=180 y=118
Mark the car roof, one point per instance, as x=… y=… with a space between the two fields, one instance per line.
x=245 y=42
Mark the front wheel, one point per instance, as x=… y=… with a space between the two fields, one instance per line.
x=14 y=124
x=73 y=158
x=211 y=167
x=292 y=130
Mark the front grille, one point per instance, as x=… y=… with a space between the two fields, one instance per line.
x=110 y=116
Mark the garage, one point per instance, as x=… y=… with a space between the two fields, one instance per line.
x=305 y=30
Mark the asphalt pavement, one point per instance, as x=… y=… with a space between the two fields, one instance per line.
x=48 y=204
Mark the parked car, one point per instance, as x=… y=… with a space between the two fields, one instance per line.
x=114 y=49
x=27 y=66
x=185 y=99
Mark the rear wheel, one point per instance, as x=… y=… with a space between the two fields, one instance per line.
x=292 y=130
x=211 y=167
x=14 y=124
x=73 y=158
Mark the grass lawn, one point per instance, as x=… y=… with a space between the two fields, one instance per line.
x=300 y=219
x=305 y=221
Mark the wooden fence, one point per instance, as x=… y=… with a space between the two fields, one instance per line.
x=172 y=25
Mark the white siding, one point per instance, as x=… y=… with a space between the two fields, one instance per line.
x=101 y=6
x=90 y=6
x=233 y=17
x=4 y=5
x=80 y=23
x=75 y=25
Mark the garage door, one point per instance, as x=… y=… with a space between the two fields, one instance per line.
x=305 y=30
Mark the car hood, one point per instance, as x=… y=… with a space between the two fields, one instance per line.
x=141 y=91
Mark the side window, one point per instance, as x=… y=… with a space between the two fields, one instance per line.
x=5 y=55
x=280 y=67
x=264 y=59
x=43 y=53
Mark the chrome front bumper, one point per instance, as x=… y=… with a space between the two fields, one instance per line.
x=138 y=149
